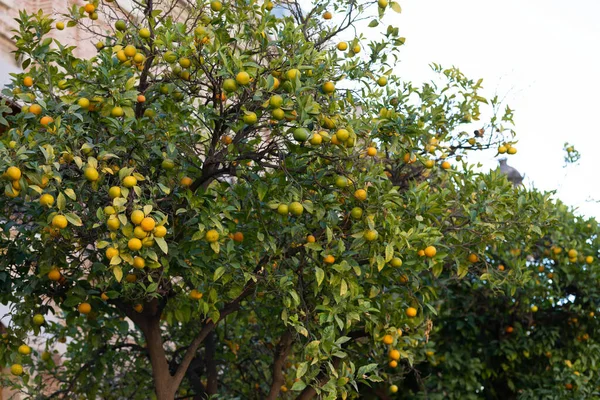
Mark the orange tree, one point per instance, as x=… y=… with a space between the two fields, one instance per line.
x=532 y=341
x=225 y=201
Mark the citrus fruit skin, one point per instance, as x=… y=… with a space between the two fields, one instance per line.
x=16 y=369
x=301 y=134
x=430 y=251
x=212 y=236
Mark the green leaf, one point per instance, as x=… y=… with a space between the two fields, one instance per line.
x=130 y=83
x=162 y=243
x=462 y=270
x=343 y=288
x=389 y=252
x=373 y=23
x=301 y=370
x=365 y=369
x=61 y=201
x=73 y=219
x=320 y=275
x=71 y=193
x=329 y=234
x=164 y=189
x=396 y=7
x=218 y=273
x=118 y=272
x=298 y=386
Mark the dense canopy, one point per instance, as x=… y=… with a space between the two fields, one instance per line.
x=228 y=200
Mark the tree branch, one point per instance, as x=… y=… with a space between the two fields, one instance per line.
x=281 y=352
x=208 y=327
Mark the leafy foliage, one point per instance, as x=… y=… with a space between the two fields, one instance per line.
x=224 y=201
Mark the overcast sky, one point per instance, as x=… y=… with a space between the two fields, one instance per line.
x=542 y=55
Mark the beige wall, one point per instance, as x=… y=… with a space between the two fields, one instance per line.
x=9 y=10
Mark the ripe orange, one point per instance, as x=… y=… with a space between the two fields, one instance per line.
x=394 y=354
x=328 y=87
x=138 y=308
x=212 y=236
x=310 y=239
x=361 y=194
x=242 y=78
x=446 y=165
x=13 y=173
x=104 y=297
x=226 y=140
x=131 y=278
x=46 y=119
x=430 y=251
x=137 y=216
x=589 y=259
x=186 y=181
x=501 y=267
x=473 y=258
x=59 y=221
x=89 y=8
x=388 y=339
x=46 y=200
x=393 y=364
x=54 y=275
x=116 y=112
x=134 y=244
x=84 y=308
x=139 y=262
x=111 y=252
x=316 y=139
x=91 y=174
x=342 y=46
x=572 y=253
x=16 y=369
x=371 y=235
x=35 y=109
x=238 y=237
x=372 y=151
x=411 y=312
x=141 y=98
x=28 y=81
x=327 y=15
x=509 y=329
x=129 y=181
x=195 y=295
x=24 y=349
x=329 y=259
x=160 y=231
x=293 y=73
x=114 y=192
x=148 y=224
x=139 y=233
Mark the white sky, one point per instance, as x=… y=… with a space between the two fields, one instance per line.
x=543 y=56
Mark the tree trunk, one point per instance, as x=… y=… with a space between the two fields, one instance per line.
x=163 y=384
x=211 y=366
